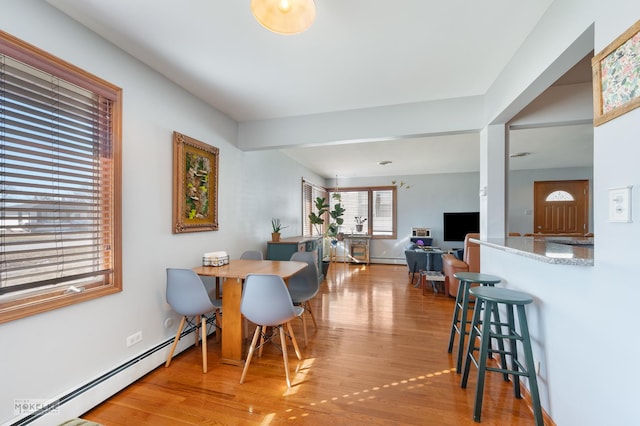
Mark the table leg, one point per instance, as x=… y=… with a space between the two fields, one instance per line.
x=231 y=351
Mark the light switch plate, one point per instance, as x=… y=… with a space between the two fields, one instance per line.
x=620 y=204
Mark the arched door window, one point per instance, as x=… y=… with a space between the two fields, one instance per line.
x=559 y=196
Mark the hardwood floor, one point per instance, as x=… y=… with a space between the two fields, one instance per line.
x=379 y=357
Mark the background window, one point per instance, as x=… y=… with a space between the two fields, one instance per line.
x=376 y=204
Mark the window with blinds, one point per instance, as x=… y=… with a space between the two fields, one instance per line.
x=376 y=204
x=309 y=194
x=59 y=183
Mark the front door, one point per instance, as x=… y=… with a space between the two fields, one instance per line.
x=561 y=207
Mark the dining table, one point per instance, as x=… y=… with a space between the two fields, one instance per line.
x=233 y=275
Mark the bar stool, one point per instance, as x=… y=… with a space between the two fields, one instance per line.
x=459 y=321
x=489 y=298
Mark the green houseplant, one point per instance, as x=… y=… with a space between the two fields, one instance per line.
x=331 y=232
x=276 y=226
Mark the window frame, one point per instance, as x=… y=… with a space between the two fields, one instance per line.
x=308 y=203
x=369 y=223
x=23 y=304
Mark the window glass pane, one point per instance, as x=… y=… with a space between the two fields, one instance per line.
x=382 y=213
x=356 y=204
x=560 y=196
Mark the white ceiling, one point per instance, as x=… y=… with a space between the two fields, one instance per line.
x=358 y=54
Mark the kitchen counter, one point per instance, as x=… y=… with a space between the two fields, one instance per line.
x=576 y=251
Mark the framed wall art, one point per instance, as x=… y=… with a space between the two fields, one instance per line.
x=195 y=185
x=616 y=77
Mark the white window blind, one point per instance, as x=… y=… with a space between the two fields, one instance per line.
x=355 y=203
x=309 y=194
x=56 y=181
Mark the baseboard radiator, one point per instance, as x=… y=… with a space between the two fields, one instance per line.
x=98 y=390
x=389 y=260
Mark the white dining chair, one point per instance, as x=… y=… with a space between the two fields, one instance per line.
x=187 y=296
x=252 y=255
x=304 y=286
x=266 y=302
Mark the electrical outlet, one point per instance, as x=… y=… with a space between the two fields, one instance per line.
x=168 y=323
x=134 y=338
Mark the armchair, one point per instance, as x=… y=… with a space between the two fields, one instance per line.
x=469 y=263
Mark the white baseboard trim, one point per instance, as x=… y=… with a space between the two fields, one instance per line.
x=389 y=260
x=77 y=401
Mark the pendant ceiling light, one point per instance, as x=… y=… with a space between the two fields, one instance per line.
x=284 y=16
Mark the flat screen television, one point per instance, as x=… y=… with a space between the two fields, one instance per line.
x=457 y=225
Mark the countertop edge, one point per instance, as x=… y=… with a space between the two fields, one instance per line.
x=509 y=245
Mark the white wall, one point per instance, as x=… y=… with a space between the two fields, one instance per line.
x=422 y=205
x=50 y=354
x=582 y=318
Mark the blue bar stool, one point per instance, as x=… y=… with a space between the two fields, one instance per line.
x=459 y=321
x=487 y=299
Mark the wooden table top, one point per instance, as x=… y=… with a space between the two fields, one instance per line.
x=240 y=268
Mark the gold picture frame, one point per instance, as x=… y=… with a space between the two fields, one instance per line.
x=616 y=77
x=195 y=185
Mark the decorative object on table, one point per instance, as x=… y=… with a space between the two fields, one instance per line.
x=276 y=226
x=195 y=185
x=616 y=77
x=420 y=232
x=215 y=258
x=360 y=220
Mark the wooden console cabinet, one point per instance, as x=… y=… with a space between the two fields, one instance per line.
x=357 y=248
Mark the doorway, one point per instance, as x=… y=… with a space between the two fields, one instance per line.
x=561 y=207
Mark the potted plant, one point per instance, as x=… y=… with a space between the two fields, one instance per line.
x=360 y=220
x=276 y=226
x=331 y=233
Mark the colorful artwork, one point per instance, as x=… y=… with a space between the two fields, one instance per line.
x=616 y=77
x=195 y=185
x=620 y=74
x=198 y=169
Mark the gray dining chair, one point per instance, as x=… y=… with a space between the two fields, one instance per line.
x=252 y=255
x=304 y=286
x=266 y=302
x=187 y=296
x=416 y=262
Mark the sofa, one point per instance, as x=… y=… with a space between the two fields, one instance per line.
x=451 y=264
